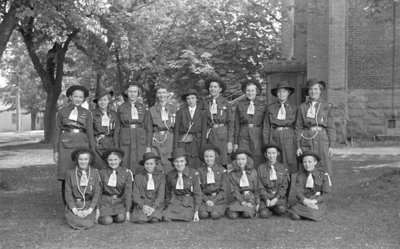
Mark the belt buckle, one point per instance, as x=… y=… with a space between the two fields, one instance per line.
x=162 y=132
x=214 y=194
x=247 y=192
x=114 y=197
x=251 y=125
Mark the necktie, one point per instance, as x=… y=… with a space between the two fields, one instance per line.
x=164 y=114
x=311 y=110
x=150 y=182
x=134 y=112
x=112 y=181
x=250 y=109
x=84 y=179
x=244 y=182
x=191 y=110
x=213 y=107
x=272 y=174
x=210 y=176
x=105 y=120
x=310 y=181
x=74 y=114
x=282 y=113
x=179 y=183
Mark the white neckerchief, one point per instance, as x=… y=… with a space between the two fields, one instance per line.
x=164 y=114
x=150 y=182
x=105 y=120
x=251 y=109
x=272 y=174
x=179 y=183
x=112 y=181
x=74 y=114
x=311 y=110
x=191 y=111
x=210 y=176
x=310 y=181
x=134 y=112
x=282 y=112
x=244 y=181
x=84 y=181
x=213 y=107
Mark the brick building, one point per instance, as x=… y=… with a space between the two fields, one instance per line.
x=356 y=53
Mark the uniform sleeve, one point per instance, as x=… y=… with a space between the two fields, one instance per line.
x=177 y=128
x=68 y=192
x=299 y=126
x=236 y=125
x=223 y=188
x=128 y=190
x=117 y=130
x=136 y=196
x=257 y=186
x=230 y=119
x=282 y=188
x=168 y=190
x=89 y=130
x=57 y=132
x=299 y=188
x=197 y=194
x=161 y=193
x=263 y=192
x=203 y=128
x=326 y=189
x=96 y=191
x=148 y=124
x=330 y=129
x=235 y=188
x=266 y=127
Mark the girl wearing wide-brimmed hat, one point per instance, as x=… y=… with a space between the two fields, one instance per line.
x=73 y=128
x=148 y=191
x=191 y=127
x=315 y=128
x=220 y=118
x=104 y=122
x=183 y=194
x=245 y=186
x=214 y=183
x=312 y=187
x=82 y=190
x=116 y=198
x=249 y=118
x=279 y=124
x=274 y=177
x=131 y=132
x=161 y=121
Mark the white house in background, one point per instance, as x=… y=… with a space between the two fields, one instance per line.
x=8 y=120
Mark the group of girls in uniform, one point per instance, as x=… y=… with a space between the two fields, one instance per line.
x=164 y=164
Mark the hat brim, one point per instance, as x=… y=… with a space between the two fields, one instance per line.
x=83 y=150
x=187 y=94
x=268 y=146
x=171 y=159
x=239 y=151
x=107 y=152
x=309 y=153
x=142 y=162
x=72 y=89
x=274 y=91
x=102 y=95
x=250 y=82
x=209 y=147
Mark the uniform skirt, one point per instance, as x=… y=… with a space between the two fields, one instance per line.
x=280 y=202
x=102 y=144
x=133 y=143
x=180 y=208
x=310 y=213
x=319 y=144
x=76 y=222
x=162 y=145
x=286 y=140
x=68 y=143
x=111 y=206
x=138 y=215
x=218 y=208
x=219 y=137
x=238 y=207
x=250 y=138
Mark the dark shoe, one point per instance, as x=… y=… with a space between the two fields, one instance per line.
x=295 y=217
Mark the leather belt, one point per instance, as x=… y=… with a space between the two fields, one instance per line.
x=251 y=125
x=132 y=126
x=281 y=128
x=217 y=125
x=81 y=199
x=212 y=194
x=315 y=128
x=246 y=192
x=74 y=130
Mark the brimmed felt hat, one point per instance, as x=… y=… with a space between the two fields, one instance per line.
x=282 y=84
x=107 y=152
x=209 y=147
x=71 y=89
x=161 y=86
x=189 y=92
x=147 y=156
x=220 y=82
x=241 y=151
x=80 y=150
x=314 y=81
x=100 y=92
x=271 y=145
x=178 y=152
x=245 y=83
x=309 y=153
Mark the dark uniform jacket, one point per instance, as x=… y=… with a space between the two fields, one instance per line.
x=217 y=191
x=151 y=198
x=273 y=188
x=271 y=121
x=322 y=185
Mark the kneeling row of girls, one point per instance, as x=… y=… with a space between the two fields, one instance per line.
x=114 y=195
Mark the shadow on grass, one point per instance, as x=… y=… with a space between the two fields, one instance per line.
x=31 y=146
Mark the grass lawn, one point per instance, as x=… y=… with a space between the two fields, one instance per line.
x=364 y=212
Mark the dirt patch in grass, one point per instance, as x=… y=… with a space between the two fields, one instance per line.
x=363 y=213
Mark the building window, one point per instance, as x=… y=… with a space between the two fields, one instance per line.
x=391 y=123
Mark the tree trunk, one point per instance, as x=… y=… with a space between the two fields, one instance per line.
x=33 y=120
x=50 y=114
x=7 y=27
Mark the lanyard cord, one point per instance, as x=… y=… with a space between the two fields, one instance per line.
x=79 y=188
x=316 y=121
x=187 y=133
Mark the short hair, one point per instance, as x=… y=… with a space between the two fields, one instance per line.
x=249 y=164
x=136 y=85
x=91 y=158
